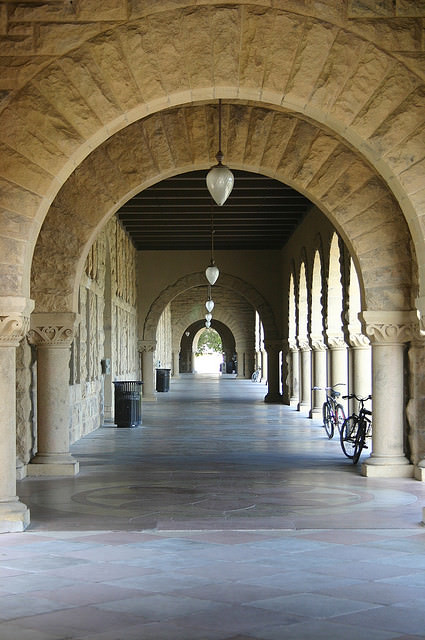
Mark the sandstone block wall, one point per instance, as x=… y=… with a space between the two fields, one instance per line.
x=163 y=352
x=107 y=307
x=107 y=329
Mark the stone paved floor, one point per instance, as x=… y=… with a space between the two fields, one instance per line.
x=221 y=518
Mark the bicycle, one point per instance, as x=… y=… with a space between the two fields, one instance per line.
x=356 y=429
x=333 y=412
x=256 y=376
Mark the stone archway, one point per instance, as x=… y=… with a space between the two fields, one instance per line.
x=244 y=289
x=331 y=104
x=186 y=342
x=61 y=108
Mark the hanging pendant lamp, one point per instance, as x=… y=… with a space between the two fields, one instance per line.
x=209 y=305
x=220 y=179
x=208 y=317
x=212 y=272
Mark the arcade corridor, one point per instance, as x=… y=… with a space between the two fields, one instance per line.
x=222 y=517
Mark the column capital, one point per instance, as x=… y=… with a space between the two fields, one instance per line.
x=358 y=340
x=273 y=345
x=303 y=344
x=146 y=346
x=14 y=319
x=390 y=327
x=336 y=342
x=53 y=329
x=317 y=343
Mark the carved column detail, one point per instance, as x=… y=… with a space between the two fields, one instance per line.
x=14 y=323
x=388 y=332
x=318 y=376
x=147 y=349
x=305 y=375
x=52 y=334
x=294 y=372
x=360 y=367
x=273 y=349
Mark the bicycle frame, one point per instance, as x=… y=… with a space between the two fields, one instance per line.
x=355 y=430
x=333 y=412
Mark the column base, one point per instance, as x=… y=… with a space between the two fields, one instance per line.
x=21 y=472
x=303 y=407
x=397 y=467
x=53 y=464
x=14 y=516
x=420 y=471
x=149 y=398
x=316 y=414
x=273 y=398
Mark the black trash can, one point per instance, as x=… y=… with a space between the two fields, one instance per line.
x=163 y=379
x=128 y=403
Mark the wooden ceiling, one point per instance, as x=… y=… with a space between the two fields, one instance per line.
x=260 y=213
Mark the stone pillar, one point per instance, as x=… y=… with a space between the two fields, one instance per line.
x=273 y=349
x=318 y=377
x=416 y=405
x=52 y=334
x=360 y=365
x=263 y=366
x=305 y=377
x=14 y=324
x=294 y=389
x=285 y=372
x=246 y=360
x=388 y=332
x=176 y=364
x=147 y=349
x=338 y=366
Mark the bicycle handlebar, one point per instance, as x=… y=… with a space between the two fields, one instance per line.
x=339 y=384
x=353 y=395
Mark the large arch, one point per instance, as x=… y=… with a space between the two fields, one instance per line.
x=74 y=99
x=189 y=281
x=359 y=205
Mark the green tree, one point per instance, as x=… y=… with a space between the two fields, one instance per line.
x=209 y=340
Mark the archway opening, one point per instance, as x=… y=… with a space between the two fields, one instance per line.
x=208 y=351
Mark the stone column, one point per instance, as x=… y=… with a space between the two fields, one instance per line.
x=176 y=364
x=273 y=349
x=360 y=364
x=14 y=324
x=294 y=390
x=147 y=349
x=52 y=334
x=338 y=366
x=285 y=372
x=246 y=360
x=416 y=405
x=318 y=377
x=388 y=333
x=263 y=365
x=305 y=377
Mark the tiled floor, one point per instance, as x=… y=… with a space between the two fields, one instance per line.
x=221 y=518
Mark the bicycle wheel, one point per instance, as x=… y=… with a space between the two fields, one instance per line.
x=339 y=416
x=360 y=442
x=348 y=436
x=328 y=422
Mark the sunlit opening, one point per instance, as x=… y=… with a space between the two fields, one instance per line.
x=209 y=352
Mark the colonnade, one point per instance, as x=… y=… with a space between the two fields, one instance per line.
x=371 y=363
